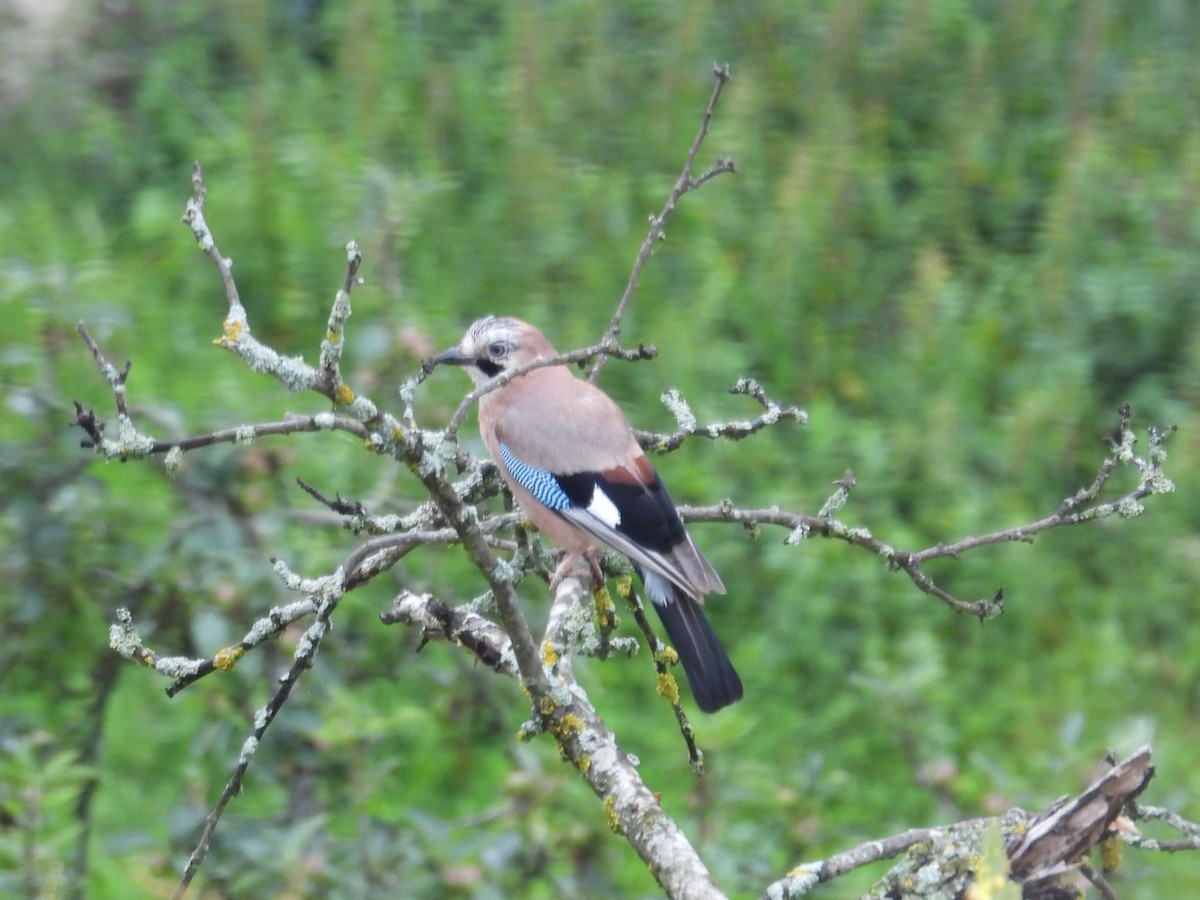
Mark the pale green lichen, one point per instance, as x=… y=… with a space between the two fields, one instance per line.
x=679 y=408
x=798 y=534
x=306 y=647
x=929 y=874
x=1160 y=484
x=439 y=453
x=177 y=666
x=279 y=615
x=835 y=502
x=204 y=238
x=363 y=409
x=803 y=879
x=508 y=660
x=389 y=524
x=628 y=646
x=122 y=636
x=131 y=442
x=292 y=371
x=291 y=580
x=248 y=749
x=1129 y=508
x=408 y=392
x=173 y=461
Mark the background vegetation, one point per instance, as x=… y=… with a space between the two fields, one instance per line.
x=960 y=234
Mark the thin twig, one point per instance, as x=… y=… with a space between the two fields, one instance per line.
x=457 y=624
x=368 y=560
x=773 y=413
x=193 y=217
x=329 y=381
x=339 y=505
x=1190 y=830
x=684 y=183
x=327 y=592
x=116 y=377
x=1099 y=882
x=572 y=356
x=1081 y=507
x=664 y=657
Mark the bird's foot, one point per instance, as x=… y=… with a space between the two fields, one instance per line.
x=578 y=565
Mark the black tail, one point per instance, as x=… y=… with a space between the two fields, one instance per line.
x=714 y=682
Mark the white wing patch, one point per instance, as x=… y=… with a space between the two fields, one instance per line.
x=604 y=509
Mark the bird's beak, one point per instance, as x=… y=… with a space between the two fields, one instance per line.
x=453 y=357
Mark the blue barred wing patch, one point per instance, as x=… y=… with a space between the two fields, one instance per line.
x=542 y=484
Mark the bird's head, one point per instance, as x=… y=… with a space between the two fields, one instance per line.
x=493 y=345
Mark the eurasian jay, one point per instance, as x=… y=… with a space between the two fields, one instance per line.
x=569 y=457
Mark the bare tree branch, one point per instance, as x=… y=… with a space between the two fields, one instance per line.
x=1041 y=848
x=325 y=594
x=773 y=413
x=559 y=705
x=609 y=344
x=581 y=355
x=236 y=335
x=1079 y=508
x=1099 y=882
x=1190 y=830
x=683 y=184
x=586 y=742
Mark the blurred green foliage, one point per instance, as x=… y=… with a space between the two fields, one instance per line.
x=960 y=234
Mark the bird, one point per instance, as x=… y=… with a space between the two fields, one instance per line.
x=570 y=458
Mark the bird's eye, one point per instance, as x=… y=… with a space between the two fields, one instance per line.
x=498 y=349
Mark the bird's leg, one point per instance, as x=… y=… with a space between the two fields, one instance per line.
x=578 y=565
x=593 y=558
